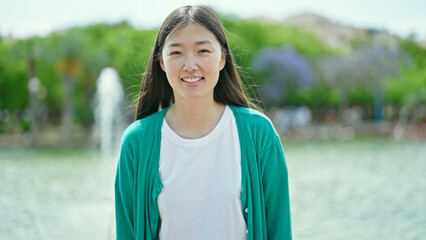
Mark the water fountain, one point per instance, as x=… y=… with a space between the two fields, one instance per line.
x=108 y=111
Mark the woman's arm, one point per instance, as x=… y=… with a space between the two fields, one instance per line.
x=124 y=187
x=276 y=192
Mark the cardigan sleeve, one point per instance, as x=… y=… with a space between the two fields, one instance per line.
x=276 y=192
x=124 y=187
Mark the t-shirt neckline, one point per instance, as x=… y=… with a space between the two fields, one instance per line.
x=218 y=129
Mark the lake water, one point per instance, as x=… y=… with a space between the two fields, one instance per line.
x=364 y=189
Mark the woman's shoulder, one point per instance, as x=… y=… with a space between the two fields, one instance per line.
x=254 y=123
x=144 y=127
x=251 y=116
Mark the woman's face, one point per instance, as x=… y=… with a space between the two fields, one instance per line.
x=192 y=59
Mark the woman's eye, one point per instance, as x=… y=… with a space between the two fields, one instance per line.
x=175 y=53
x=204 y=51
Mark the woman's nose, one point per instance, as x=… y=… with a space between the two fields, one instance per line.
x=190 y=64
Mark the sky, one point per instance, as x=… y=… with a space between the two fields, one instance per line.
x=24 y=18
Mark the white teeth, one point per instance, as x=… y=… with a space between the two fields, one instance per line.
x=191 y=80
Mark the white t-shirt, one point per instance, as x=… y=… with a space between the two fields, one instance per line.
x=201 y=179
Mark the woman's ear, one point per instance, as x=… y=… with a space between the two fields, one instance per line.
x=222 y=60
x=160 y=58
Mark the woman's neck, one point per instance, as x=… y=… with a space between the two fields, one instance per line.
x=194 y=119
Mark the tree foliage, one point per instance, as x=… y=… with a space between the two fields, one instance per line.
x=328 y=78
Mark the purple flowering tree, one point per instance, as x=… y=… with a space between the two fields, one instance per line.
x=368 y=66
x=378 y=64
x=283 y=69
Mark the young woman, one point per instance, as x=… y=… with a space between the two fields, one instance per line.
x=199 y=162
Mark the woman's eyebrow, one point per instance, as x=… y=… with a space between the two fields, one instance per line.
x=202 y=42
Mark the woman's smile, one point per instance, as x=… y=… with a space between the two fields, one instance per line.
x=191 y=80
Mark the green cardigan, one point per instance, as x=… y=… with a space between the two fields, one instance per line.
x=264 y=194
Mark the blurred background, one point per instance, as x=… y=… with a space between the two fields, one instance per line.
x=343 y=81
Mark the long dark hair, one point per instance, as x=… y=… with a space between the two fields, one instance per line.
x=156 y=92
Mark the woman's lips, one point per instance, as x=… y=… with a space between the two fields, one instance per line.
x=192 y=82
x=192 y=79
